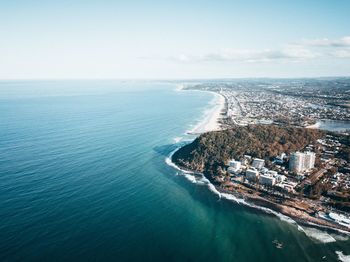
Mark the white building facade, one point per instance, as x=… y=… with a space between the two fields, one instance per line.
x=235 y=165
x=267 y=180
x=300 y=162
x=258 y=163
x=252 y=174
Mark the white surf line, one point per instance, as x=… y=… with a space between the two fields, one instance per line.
x=179 y=87
x=211 y=116
x=212 y=188
x=209 y=121
x=314 y=233
x=342 y=257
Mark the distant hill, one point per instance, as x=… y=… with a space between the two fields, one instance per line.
x=210 y=151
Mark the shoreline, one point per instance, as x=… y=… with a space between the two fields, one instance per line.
x=298 y=216
x=282 y=211
x=314 y=126
x=211 y=119
x=339 y=126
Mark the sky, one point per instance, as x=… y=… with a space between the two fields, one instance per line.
x=173 y=39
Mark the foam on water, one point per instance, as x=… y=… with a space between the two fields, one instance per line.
x=213 y=189
x=199 y=127
x=318 y=235
x=342 y=257
x=190 y=178
x=179 y=87
x=169 y=162
x=76 y=189
x=194 y=128
x=200 y=179
x=340 y=237
x=177 y=139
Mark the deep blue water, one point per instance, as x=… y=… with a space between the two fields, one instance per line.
x=83 y=178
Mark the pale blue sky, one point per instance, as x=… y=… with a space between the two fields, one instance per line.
x=174 y=39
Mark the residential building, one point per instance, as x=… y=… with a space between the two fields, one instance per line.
x=235 y=165
x=300 y=162
x=252 y=174
x=309 y=160
x=267 y=180
x=258 y=163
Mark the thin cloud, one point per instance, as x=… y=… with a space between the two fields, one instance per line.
x=345 y=53
x=325 y=42
x=250 y=55
x=331 y=48
x=294 y=52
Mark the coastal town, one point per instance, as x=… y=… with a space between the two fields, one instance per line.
x=295 y=177
x=311 y=184
x=300 y=103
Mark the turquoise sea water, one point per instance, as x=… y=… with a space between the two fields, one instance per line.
x=83 y=178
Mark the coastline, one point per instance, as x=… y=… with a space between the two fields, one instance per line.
x=314 y=126
x=212 y=116
x=284 y=212
x=340 y=126
x=297 y=216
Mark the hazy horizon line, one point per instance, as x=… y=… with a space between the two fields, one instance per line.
x=171 y=79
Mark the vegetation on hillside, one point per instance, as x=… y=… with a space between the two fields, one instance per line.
x=210 y=151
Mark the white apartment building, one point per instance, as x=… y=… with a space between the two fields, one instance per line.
x=300 y=162
x=309 y=160
x=267 y=180
x=258 y=163
x=252 y=174
x=235 y=165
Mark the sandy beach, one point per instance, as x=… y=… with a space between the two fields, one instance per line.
x=210 y=121
x=314 y=126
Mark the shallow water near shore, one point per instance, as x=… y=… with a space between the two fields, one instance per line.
x=333 y=125
x=83 y=177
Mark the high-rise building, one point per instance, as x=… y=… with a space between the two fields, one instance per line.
x=296 y=162
x=299 y=162
x=309 y=160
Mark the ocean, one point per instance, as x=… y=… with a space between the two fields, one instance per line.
x=84 y=177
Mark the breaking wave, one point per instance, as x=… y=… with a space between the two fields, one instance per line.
x=177 y=139
x=342 y=257
x=318 y=235
x=200 y=179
